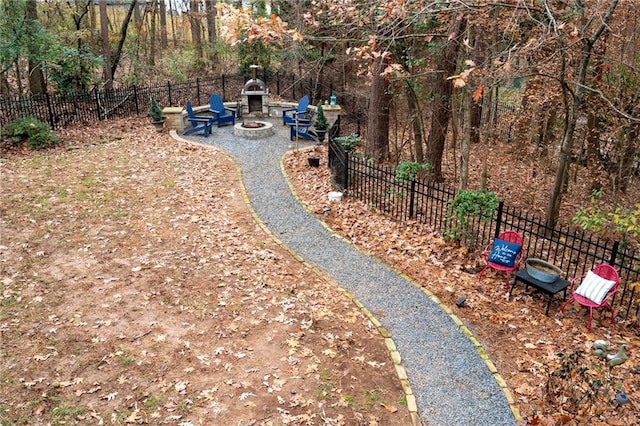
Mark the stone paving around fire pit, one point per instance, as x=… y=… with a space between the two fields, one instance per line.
x=450 y=381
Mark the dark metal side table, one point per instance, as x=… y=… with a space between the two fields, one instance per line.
x=551 y=289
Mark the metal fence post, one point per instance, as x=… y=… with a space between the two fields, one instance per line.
x=346 y=170
x=169 y=92
x=499 y=218
x=412 y=199
x=293 y=85
x=614 y=252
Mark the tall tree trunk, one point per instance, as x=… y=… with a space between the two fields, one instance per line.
x=137 y=17
x=211 y=11
x=174 y=37
x=152 y=33
x=194 y=21
x=5 y=89
x=555 y=200
x=18 y=77
x=465 y=146
x=415 y=115
x=479 y=57
x=377 y=141
x=628 y=157
x=443 y=89
x=210 y=8
x=123 y=37
x=593 y=149
x=163 y=25
x=37 y=84
x=106 y=46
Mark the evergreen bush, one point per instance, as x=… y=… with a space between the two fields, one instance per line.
x=321 y=122
x=37 y=134
x=156 y=112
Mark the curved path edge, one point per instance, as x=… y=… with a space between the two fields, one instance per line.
x=394 y=353
x=403 y=375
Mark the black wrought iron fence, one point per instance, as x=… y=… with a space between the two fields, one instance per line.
x=575 y=252
x=60 y=110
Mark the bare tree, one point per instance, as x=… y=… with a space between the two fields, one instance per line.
x=574 y=105
x=123 y=37
x=106 y=47
x=194 y=21
x=37 y=83
x=377 y=142
x=163 y=24
x=442 y=90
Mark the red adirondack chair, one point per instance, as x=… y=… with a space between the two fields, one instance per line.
x=504 y=254
x=595 y=291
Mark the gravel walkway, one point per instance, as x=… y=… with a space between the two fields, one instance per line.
x=451 y=382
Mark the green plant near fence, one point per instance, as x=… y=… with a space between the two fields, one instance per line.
x=348 y=142
x=33 y=132
x=408 y=170
x=467 y=206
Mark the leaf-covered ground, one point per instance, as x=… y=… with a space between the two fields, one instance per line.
x=136 y=288
x=546 y=361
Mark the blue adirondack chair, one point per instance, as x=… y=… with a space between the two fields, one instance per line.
x=303 y=132
x=198 y=124
x=301 y=112
x=221 y=114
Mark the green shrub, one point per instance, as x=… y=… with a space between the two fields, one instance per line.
x=466 y=205
x=321 y=122
x=348 y=142
x=156 y=112
x=37 y=134
x=622 y=222
x=408 y=170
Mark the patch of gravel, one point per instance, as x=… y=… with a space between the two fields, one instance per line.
x=449 y=379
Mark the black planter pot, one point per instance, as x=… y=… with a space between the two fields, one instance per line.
x=321 y=134
x=159 y=125
x=314 y=161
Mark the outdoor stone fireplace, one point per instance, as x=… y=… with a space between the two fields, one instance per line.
x=255 y=95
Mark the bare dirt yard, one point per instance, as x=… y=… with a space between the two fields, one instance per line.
x=547 y=362
x=137 y=288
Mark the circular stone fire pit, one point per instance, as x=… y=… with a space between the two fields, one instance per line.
x=253 y=129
